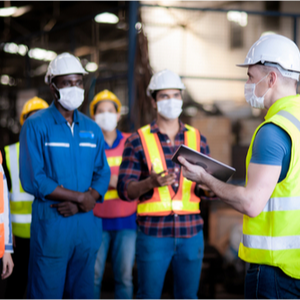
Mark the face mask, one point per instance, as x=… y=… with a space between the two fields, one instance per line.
x=106 y=121
x=251 y=98
x=70 y=97
x=170 y=108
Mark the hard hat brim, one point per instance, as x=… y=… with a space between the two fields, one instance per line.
x=244 y=65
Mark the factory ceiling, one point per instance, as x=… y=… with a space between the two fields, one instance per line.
x=53 y=27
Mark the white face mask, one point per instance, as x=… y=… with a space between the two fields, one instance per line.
x=70 y=97
x=251 y=98
x=170 y=108
x=107 y=121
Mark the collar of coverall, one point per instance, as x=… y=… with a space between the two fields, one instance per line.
x=59 y=119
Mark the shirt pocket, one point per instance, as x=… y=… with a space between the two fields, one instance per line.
x=58 y=159
x=88 y=152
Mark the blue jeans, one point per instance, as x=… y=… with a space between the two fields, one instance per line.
x=269 y=282
x=153 y=257
x=122 y=255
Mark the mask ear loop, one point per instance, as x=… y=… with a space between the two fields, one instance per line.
x=258 y=83
x=57 y=90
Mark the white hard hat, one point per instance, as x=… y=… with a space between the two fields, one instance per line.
x=165 y=79
x=63 y=64
x=275 y=49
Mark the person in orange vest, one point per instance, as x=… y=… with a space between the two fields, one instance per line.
x=169 y=221
x=118 y=217
x=6 y=247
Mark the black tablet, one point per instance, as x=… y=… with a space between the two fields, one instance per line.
x=214 y=167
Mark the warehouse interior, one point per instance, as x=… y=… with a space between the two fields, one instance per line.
x=121 y=44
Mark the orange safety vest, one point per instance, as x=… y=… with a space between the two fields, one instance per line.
x=164 y=201
x=2 y=238
x=113 y=206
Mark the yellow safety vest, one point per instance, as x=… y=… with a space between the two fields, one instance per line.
x=20 y=201
x=164 y=201
x=273 y=237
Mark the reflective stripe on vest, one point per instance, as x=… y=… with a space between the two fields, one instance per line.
x=21 y=202
x=21 y=218
x=273 y=237
x=111 y=194
x=164 y=201
x=271 y=243
x=113 y=161
x=282 y=204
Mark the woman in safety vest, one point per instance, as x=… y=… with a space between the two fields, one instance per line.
x=118 y=217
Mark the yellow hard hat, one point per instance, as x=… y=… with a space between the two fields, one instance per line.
x=105 y=95
x=32 y=104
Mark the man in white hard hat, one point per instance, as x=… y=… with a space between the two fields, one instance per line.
x=270 y=201
x=63 y=164
x=169 y=221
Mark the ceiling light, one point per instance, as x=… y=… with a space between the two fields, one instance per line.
x=91 y=67
x=22 y=49
x=50 y=55
x=4 y=79
x=21 y=11
x=107 y=18
x=7 y=11
x=138 y=26
x=11 y=48
x=37 y=53
x=42 y=54
x=238 y=17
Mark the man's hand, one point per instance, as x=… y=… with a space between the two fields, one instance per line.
x=158 y=180
x=86 y=201
x=113 y=181
x=136 y=189
x=8 y=265
x=191 y=172
x=66 y=209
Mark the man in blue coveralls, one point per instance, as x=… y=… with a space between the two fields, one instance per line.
x=63 y=164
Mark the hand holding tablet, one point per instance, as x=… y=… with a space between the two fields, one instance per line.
x=216 y=168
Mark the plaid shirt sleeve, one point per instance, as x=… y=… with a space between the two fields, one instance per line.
x=131 y=168
x=204 y=148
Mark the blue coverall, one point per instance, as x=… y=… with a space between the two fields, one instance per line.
x=62 y=249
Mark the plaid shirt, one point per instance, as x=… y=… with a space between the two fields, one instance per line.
x=134 y=168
